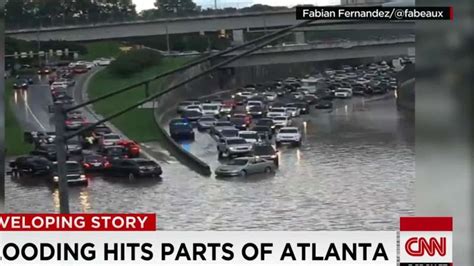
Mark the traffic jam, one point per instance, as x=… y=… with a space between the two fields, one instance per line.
x=250 y=125
x=95 y=152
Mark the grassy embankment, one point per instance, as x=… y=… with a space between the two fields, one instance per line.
x=101 y=49
x=137 y=124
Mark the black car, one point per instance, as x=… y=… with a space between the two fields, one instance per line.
x=181 y=129
x=227 y=133
x=75 y=174
x=46 y=150
x=256 y=111
x=115 y=152
x=267 y=122
x=264 y=132
x=191 y=115
x=323 y=104
x=95 y=162
x=276 y=105
x=136 y=167
x=266 y=151
x=22 y=85
x=31 y=166
x=358 y=90
x=239 y=122
x=310 y=99
x=303 y=106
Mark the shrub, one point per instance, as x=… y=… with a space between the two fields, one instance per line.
x=135 y=61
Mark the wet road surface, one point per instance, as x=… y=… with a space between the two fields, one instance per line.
x=354 y=171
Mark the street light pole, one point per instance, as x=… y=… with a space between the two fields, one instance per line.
x=60 y=118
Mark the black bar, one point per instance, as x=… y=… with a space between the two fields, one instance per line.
x=374 y=13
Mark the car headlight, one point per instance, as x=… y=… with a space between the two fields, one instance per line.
x=56 y=178
x=83 y=176
x=273 y=156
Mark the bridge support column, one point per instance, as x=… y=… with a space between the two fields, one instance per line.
x=299 y=37
x=238 y=36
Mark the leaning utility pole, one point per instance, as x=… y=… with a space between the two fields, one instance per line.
x=61 y=154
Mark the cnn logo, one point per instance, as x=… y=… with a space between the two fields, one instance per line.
x=420 y=246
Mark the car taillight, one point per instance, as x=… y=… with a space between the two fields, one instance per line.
x=135 y=148
x=125 y=156
x=68 y=122
x=107 y=164
x=86 y=165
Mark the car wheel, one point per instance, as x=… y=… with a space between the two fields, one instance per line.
x=298 y=144
x=268 y=170
x=131 y=176
x=276 y=162
x=243 y=173
x=220 y=155
x=278 y=144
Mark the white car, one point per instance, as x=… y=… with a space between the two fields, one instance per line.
x=249 y=136
x=270 y=96
x=277 y=111
x=293 y=111
x=297 y=95
x=246 y=94
x=59 y=85
x=343 y=93
x=109 y=139
x=253 y=103
x=288 y=135
x=210 y=109
x=193 y=107
x=102 y=62
x=281 y=121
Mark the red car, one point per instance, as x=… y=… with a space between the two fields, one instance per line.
x=93 y=162
x=132 y=147
x=230 y=103
x=79 y=69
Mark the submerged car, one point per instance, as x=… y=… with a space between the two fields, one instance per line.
x=136 y=167
x=181 y=129
x=75 y=174
x=205 y=123
x=233 y=146
x=265 y=150
x=245 y=166
x=288 y=135
x=31 y=166
x=323 y=104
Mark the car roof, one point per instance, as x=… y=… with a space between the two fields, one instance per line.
x=247 y=132
x=234 y=138
x=294 y=128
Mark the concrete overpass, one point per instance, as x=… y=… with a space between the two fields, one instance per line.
x=327 y=51
x=235 y=22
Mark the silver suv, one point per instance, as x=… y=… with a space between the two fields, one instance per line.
x=235 y=146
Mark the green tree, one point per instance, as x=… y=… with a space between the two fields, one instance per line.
x=176 y=7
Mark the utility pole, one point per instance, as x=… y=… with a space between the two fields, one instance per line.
x=215 y=4
x=60 y=140
x=167 y=37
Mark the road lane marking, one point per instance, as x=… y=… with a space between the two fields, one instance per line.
x=32 y=114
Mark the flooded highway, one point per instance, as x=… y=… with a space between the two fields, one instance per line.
x=354 y=171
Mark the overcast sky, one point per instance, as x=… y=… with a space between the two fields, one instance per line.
x=147 y=4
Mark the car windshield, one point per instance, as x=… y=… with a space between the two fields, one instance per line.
x=278 y=110
x=238 y=162
x=236 y=141
x=111 y=137
x=229 y=133
x=288 y=131
x=223 y=123
x=49 y=148
x=265 y=122
x=71 y=167
x=280 y=118
x=185 y=103
x=210 y=107
x=249 y=136
x=93 y=158
x=115 y=151
x=194 y=107
x=207 y=119
x=263 y=149
x=192 y=113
